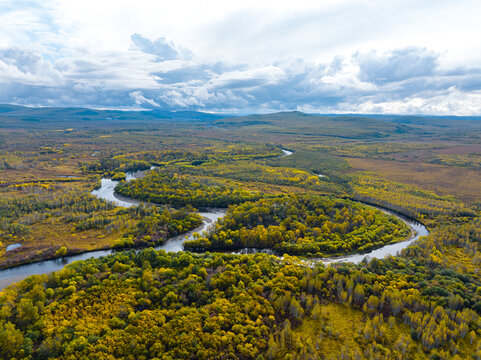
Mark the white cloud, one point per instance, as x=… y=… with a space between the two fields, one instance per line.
x=161 y=48
x=452 y=101
x=27 y=67
x=334 y=56
x=140 y=99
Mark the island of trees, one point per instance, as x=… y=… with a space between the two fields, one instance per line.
x=302 y=225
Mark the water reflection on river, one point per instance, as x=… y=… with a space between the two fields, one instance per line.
x=210 y=216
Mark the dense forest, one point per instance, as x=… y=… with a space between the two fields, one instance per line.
x=157 y=305
x=302 y=225
x=166 y=186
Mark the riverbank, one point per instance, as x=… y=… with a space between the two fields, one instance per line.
x=210 y=216
x=417 y=230
x=21 y=271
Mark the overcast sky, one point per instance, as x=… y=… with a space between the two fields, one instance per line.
x=396 y=56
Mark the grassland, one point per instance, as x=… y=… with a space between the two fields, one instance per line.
x=462 y=182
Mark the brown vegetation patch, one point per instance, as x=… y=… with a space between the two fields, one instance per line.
x=463 y=183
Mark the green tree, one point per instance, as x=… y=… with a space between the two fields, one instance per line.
x=11 y=340
x=61 y=252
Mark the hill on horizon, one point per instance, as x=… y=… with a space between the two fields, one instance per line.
x=347 y=126
x=11 y=115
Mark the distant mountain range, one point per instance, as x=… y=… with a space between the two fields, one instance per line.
x=367 y=125
x=72 y=113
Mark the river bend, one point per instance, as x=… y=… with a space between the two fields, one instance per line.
x=210 y=216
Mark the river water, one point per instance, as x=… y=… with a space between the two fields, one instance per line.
x=210 y=216
x=417 y=230
x=107 y=186
x=11 y=275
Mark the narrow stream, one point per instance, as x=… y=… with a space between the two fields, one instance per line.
x=210 y=216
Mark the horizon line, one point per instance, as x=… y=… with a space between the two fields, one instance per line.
x=237 y=113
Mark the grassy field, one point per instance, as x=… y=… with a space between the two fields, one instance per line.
x=462 y=182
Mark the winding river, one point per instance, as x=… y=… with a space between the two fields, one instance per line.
x=210 y=216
